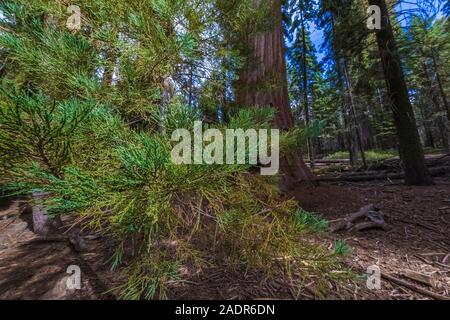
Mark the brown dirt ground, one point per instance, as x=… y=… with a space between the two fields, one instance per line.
x=418 y=239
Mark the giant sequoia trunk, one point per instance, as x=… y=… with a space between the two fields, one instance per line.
x=410 y=148
x=263 y=82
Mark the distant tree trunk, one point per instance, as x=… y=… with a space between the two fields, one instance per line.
x=444 y=98
x=191 y=84
x=428 y=83
x=351 y=145
x=444 y=131
x=305 y=89
x=372 y=142
x=263 y=82
x=348 y=135
x=356 y=128
x=410 y=148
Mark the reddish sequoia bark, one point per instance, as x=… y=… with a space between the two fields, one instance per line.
x=263 y=82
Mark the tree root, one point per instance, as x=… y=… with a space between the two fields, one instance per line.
x=367 y=218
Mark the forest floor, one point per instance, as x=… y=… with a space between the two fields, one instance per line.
x=417 y=239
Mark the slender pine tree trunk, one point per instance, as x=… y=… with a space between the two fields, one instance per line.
x=434 y=96
x=356 y=128
x=348 y=135
x=305 y=89
x=410 y=148
x=444 y=98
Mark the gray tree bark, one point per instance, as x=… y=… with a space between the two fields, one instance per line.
x=410 y=147
x=43 y=224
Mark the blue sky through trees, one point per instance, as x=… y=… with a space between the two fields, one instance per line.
x=430 y=8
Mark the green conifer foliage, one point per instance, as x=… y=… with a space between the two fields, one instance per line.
x=80 y=118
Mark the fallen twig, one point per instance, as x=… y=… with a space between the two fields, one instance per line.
x=421 y=277
x=414 y=288
x=444 y=261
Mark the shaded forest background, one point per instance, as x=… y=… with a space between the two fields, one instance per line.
x=358 y=115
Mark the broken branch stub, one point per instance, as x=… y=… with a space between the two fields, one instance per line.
x=368 y=217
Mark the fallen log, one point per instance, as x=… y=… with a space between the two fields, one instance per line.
x=337 y=161
x=442 y=157
x=435 y=172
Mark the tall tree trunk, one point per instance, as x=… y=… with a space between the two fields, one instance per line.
x=444 y=97
x=353 y=113
x=410 y=148
x=305 y=88
x=370 y=135
x=428 y=83
x=263 y=82
x=348 y=135
x=351 y=145
x=349 y=130
x=191 y=84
